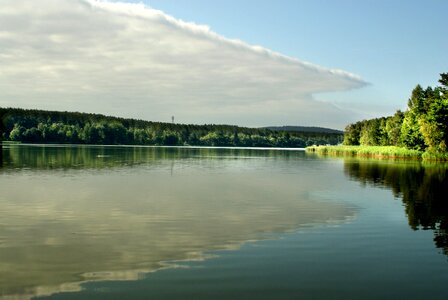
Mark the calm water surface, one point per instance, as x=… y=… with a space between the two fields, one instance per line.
x=83 y=222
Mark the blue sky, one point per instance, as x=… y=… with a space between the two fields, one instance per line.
x=247 y=62
x=391 y=44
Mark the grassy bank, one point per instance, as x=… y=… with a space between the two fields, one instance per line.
x=383 y=152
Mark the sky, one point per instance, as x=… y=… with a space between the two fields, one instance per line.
x=248 y=63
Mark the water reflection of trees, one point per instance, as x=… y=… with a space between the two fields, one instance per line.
x=422 y=188
x=47 y=157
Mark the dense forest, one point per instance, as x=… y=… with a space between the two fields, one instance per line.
x=423 y=126
x=38 y=126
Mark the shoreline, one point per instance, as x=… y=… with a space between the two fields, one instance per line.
x=55 y=145
x=378 y=152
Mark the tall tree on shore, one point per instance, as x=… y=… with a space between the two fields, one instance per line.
x=393 y=128
x=434 y=123
x=411 y=135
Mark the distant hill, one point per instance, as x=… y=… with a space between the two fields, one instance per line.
x=304 y=129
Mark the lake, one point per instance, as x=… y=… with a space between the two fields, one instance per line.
x=111 y=222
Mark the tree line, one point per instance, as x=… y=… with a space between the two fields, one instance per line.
x=39 y=126
x=423 y=126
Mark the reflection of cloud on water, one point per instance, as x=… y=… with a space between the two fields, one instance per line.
x=91 y=226
x=132 y=275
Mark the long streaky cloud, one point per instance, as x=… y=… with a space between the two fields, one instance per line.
x=134 y=61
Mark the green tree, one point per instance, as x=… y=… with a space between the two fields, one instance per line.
x=370 y=133
x=31 y=135
x=16 y=133
x=411 y=136
x=393 y=128
x=216 y=139
x=434 y=126
x=352 y=134
x=170 y=138
x=416 y=102
x=115 y=133
x=444 y=81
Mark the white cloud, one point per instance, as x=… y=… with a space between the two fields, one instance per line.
x=130 y=60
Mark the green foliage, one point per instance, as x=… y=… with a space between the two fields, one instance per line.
x=16 y=133
x=434 y=126
x=393 y=128
x=37 y=126
x=352 y=134
x=411 y=135
x=416 y=102
x=435 y=156
x=444 y=80
x=386 y=152
x=216 y=139
x=370 y=133
x=169 y=138
x=423 y=127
